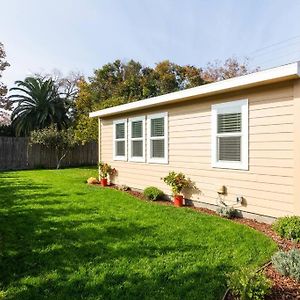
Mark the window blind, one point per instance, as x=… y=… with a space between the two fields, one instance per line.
x=137 y=129
x=120 y=131
x=229 y=148
x=157 y=127
x=120 y=148
x=158 y=148
x=229 y=122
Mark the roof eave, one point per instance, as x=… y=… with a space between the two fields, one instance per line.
x=282 y=73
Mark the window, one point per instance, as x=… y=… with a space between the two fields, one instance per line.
x=158 y=138
x=137 y=139
x=230 y=135
x=120 y=140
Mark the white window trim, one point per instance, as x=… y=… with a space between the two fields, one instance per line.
x=217 y=108
x=156 y=160
x=118 y=157
x=130 y=139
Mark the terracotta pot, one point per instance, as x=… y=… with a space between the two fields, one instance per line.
x=178 y=200
x=103 y=181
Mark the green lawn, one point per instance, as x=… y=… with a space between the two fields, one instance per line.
x=62 y=239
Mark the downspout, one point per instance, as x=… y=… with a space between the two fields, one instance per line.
x=99 y=142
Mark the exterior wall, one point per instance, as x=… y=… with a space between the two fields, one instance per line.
x=269 y=185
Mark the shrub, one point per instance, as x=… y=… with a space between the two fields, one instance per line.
x=153 y=193
x=228 y=212
x=177 y=182
x=288 y=263
x=288 y=227
x=248 y=284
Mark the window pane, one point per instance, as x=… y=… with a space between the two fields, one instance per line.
x=229 y=148
x=229 y=122
x=120 y=131
x=157 y=127
x=120 y=148
x=137 y=148
x=158 y=148
x=137 y=129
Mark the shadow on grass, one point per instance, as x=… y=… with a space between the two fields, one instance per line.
x=49 y=251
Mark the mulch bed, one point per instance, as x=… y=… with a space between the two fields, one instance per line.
x=284 y=288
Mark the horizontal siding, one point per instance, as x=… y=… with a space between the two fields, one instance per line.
x=268 y=184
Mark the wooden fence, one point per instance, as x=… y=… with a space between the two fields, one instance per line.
x=17 y=154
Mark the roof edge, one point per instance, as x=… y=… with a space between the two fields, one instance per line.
x=277 y=74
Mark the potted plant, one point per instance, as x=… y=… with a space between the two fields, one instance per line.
x=105 y=170
x=177 y=182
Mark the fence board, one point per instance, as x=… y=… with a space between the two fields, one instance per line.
x=17 y=154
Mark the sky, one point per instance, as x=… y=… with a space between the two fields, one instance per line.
x=82 y=35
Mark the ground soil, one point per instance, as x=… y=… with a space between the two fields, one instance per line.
x=283 y=288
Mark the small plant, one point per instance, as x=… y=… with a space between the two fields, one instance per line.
x=288 y=227
x=247 y=284
x=105 y=170
x=228 y=212
x=288 y=263
x=177 y=182
x=153 y=193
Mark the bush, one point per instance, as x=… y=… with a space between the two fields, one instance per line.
x=228 y=212
x=153 y=193
x=177 y=182
x=288 y=263
x=248 y=284
x=288 y=227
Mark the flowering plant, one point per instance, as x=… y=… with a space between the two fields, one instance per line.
x=177 y=182
x=106 y=169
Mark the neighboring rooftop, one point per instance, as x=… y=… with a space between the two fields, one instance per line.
x=285 y=72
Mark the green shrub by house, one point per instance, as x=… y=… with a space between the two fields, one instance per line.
x=153 y=193
x=249 y=285
x=288 y=263
x=288 y=227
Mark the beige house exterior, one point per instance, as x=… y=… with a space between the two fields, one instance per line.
x=242 y=133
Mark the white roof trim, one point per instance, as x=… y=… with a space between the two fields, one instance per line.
x=281 y=73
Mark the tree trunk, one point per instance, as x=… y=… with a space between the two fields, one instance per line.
x=60 y=160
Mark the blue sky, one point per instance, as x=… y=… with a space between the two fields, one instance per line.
x=82 y=35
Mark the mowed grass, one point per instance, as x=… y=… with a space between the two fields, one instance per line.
x=63 y=239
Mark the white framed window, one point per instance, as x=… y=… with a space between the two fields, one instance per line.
x=120 y=140
x=157 y=138
x=230 y=135
x=136 y=139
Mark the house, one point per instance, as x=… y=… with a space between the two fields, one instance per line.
x=242 y=133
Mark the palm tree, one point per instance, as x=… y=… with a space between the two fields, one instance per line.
x=38 y=105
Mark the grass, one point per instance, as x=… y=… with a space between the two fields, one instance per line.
x=62 y=239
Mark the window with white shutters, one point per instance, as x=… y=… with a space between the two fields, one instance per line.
x=120 y=140
x=137 y=139
x=157 y=138
x=230 y=135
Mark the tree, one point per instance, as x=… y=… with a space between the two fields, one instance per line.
x=5 y=104
x=67 y=87
x=62 y=141
x=38 y=105
x=119 y=83
x=231 y=67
